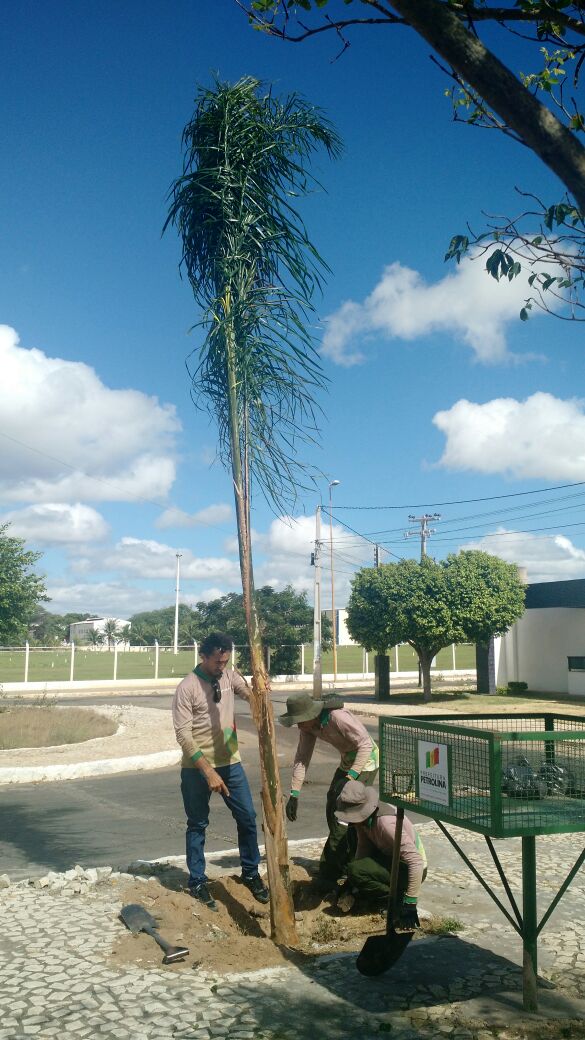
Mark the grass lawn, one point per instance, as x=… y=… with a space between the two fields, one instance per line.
x=49 y=726
x=54 y=665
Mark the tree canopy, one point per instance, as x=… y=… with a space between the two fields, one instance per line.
x=21 y=588
x=484 y=48
x=286 y=620
x=469 y=596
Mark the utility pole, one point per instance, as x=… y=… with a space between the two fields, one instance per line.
x=332 y=484
x=381 y=661
x=425 y=534
x=316 y=562
x=425 y=530
x=176 y=640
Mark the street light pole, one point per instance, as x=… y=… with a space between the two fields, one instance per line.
x=333 y=483
x=316 y=561
x=176 y=640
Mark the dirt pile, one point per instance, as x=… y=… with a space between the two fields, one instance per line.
x=236 y=938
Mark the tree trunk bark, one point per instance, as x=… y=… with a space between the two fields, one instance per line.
x=534 y=123
x=382 y=677
x=425 y=666
x=282 y=917
x=485 y=667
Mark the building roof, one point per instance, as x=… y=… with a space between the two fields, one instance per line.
x=556 y=594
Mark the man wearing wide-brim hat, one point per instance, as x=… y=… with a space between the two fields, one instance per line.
x=326 y=719
x=368 y=874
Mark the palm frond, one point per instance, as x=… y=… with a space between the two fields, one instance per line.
x=254 y=271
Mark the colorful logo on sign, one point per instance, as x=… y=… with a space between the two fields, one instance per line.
x=432 y=758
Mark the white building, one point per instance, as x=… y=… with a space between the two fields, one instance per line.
x=342 y=636
x=79 y=630
x=546 y=647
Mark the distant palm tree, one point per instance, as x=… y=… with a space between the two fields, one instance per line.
x=111 y=631
x=95 y=638
x=253 y=270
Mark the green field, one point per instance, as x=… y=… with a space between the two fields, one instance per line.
x=350 y=659
x=55 y=665
x=49 y=665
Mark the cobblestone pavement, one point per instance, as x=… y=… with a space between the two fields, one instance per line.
x=56 y=978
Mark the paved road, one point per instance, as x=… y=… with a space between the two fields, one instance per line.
x=113 y=820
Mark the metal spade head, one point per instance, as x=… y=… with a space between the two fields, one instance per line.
x=380 y=952
x=137 y=918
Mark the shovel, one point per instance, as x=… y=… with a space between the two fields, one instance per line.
x=380 y=952
x=137 y=919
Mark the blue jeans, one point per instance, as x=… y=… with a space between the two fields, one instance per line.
x=196 y=795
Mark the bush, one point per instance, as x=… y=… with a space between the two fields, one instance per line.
x=517 y=687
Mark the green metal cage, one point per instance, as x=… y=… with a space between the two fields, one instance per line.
x=501 y=775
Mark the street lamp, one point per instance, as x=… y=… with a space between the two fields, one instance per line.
x=333 y=483
x=176 y=640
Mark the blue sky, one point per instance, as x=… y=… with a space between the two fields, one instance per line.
x=438 y=393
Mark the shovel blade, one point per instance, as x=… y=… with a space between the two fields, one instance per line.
x=380 y=952
x=136 y=918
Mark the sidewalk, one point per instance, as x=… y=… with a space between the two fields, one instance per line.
x=56 y=976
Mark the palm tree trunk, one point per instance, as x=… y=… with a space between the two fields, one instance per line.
x=282 y=917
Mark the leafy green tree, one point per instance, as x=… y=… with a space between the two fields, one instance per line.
x=253 y=271
x=21 y=589
x=486 y=596
x=47 y=629
x=285 y=618
x=159 y=625
x=470 y=596
x=540 y=109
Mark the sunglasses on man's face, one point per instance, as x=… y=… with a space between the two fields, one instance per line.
x=216 y=691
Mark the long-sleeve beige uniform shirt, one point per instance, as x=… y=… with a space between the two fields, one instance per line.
x=344 y=732
x=381 y=836
x=201 y=724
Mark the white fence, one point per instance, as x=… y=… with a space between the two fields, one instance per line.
x=72 y=663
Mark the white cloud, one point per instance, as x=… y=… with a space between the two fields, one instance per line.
x=542 y=437
x=546 y=558
x=146 y=558
x=55 y=523
x=62 y=426
x=467 y=304
x=103 y=599
x=208 y=517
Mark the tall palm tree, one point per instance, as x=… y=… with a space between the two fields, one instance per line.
x=95 y=638
x=253 y=270
x=111 y=631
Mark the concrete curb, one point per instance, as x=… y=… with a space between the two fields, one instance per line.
x=77 y=770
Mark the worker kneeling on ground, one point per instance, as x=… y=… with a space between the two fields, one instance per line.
x=368 y=874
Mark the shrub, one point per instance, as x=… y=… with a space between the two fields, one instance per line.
x=517 y=687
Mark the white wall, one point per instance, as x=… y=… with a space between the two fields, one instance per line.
x=536 y=648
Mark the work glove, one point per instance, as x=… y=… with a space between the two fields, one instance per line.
x=407 y=918
x=291 y=808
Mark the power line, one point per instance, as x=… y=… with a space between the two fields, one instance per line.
x=466 y=501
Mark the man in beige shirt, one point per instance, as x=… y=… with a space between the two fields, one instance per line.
x=203 y=717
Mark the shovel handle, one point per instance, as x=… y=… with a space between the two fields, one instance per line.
x=391 y=912
x=169 y=949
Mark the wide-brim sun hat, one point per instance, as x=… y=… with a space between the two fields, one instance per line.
x=301 y=707
x=356 y=802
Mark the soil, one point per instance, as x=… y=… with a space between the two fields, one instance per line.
x=236 y=938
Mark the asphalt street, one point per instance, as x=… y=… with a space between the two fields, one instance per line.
x=113 y=820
